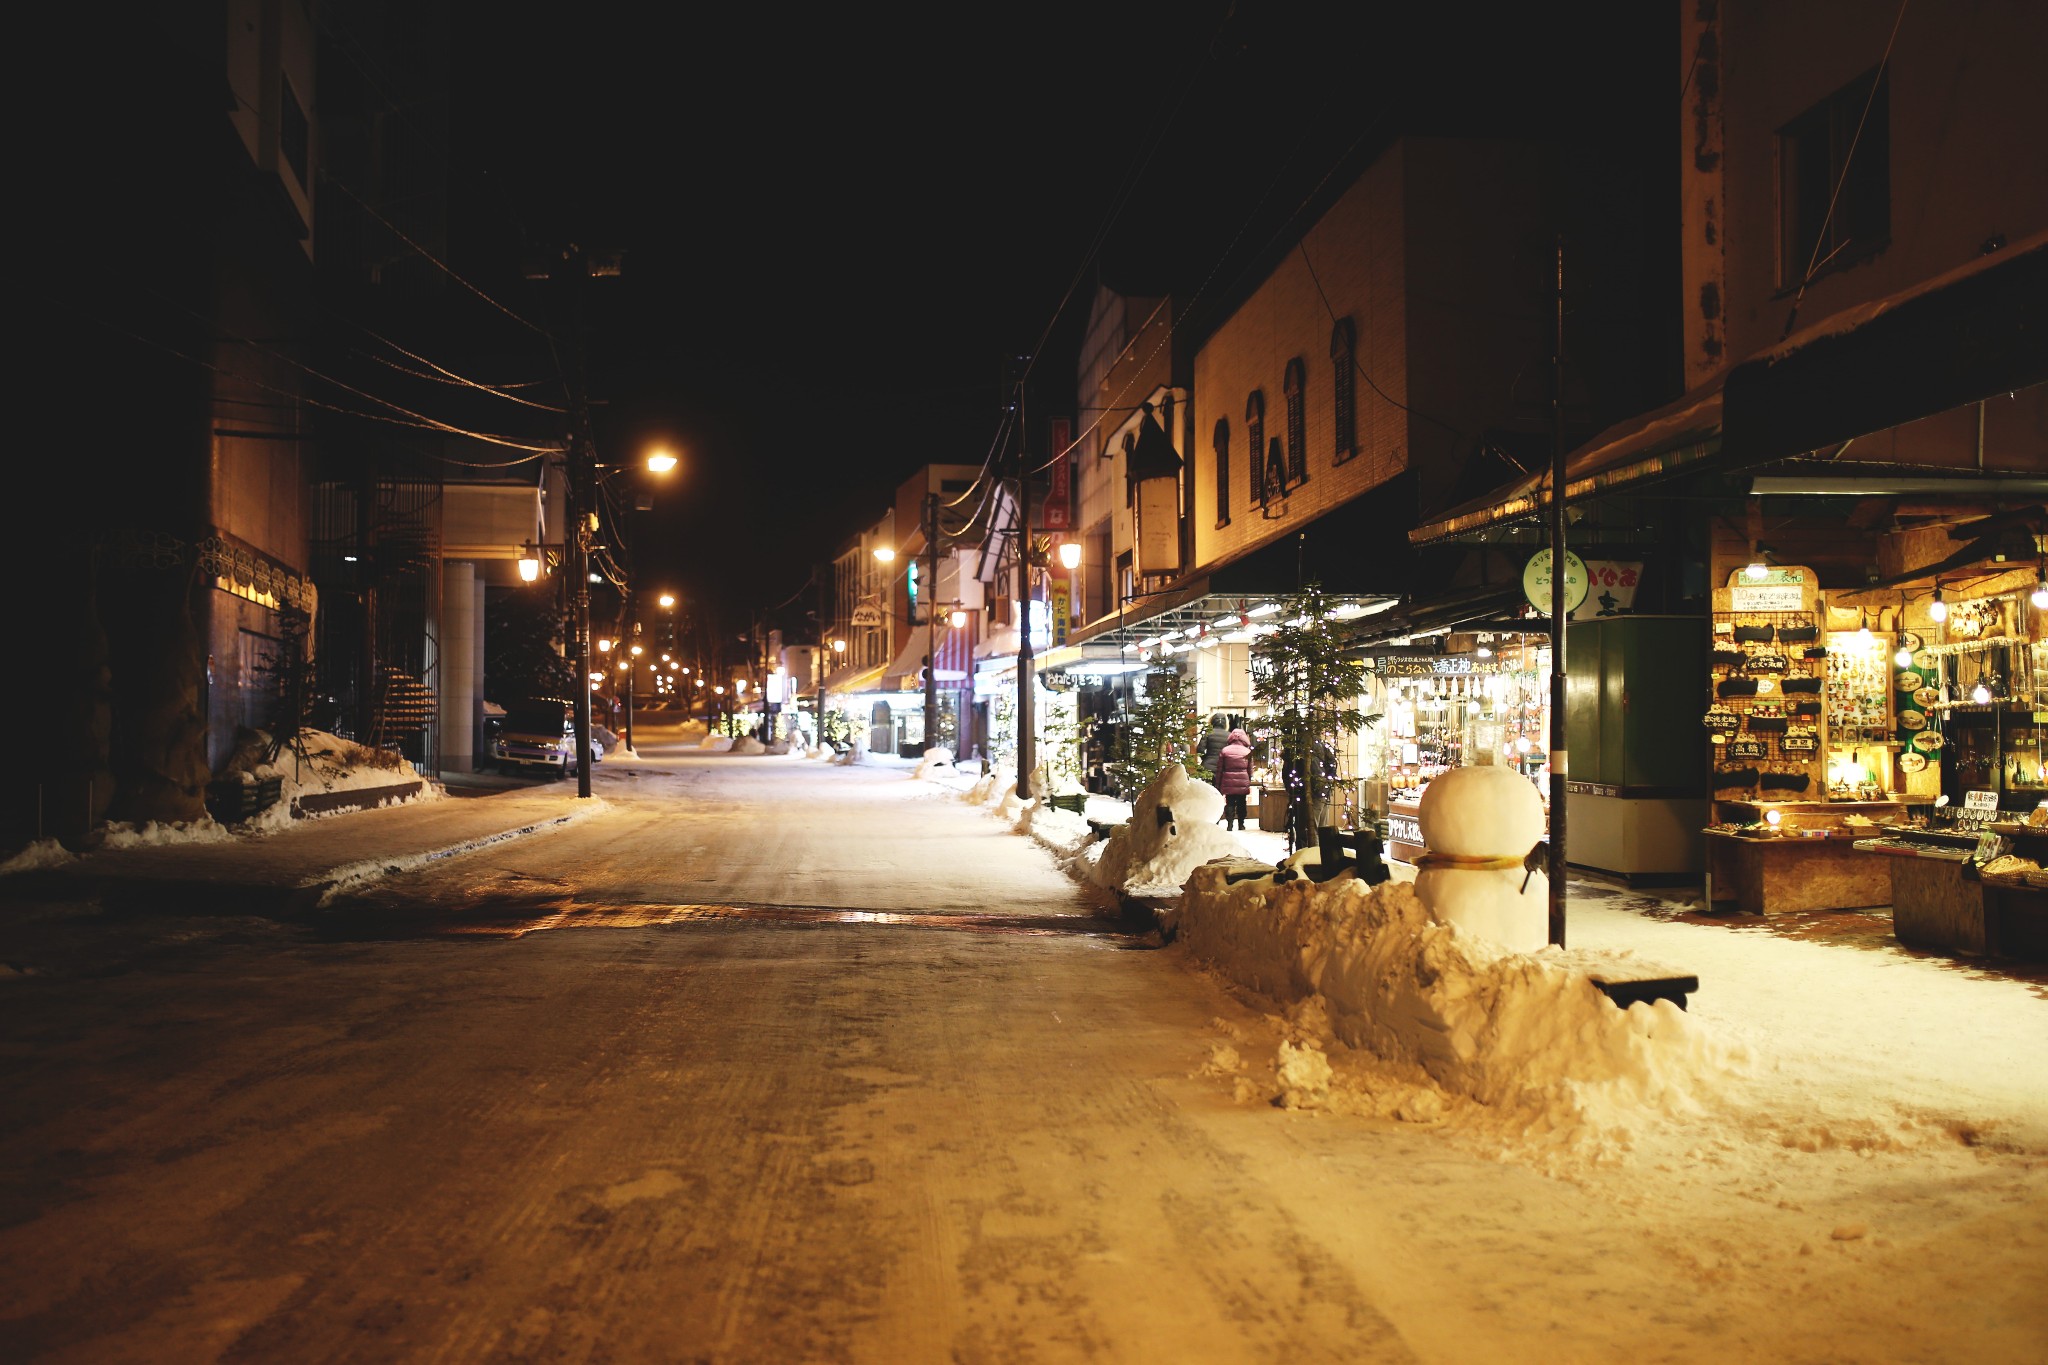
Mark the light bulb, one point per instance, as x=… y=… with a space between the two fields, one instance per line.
x=2040 y=595
x=1980 y=694
x=1756 y=570
x=1904 y=658
x=1938 y=609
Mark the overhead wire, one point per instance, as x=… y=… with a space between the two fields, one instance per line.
x=304 y=400
x=439 y=264
x=418 y=417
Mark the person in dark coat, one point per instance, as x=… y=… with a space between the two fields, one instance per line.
x=1212 y=743
x=1234 y=777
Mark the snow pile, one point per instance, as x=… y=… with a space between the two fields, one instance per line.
x=936 y=762
x=41 y=853
x=152 y=834
x=747 y=744
x=717 y=744
x=692 y=730
x=1526 y=1034
x=1171 y=832
x=316 y=763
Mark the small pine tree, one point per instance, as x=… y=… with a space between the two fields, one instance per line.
x=1164 y=730
x=1302 y=672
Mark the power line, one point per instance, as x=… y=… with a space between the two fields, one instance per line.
x=398 y=232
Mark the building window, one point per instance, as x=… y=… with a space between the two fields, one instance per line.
x=1254 y=442
x=1222 y=443
x=1344 y=389
x=1297 y=422
x=1835 y=183
x=1126 y=580
x=294 y=137
x=1129 y=447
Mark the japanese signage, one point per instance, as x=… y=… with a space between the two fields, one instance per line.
x=1062 y=616
x=1444 y=666
x=1777 y=590
x=1158 y=526
x=1059 y=498
x=1536 y=581
x=1611 y=589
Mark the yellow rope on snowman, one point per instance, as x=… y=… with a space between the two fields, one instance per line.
x=1470 y=862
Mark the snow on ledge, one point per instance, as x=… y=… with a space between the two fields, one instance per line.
x=353 y=877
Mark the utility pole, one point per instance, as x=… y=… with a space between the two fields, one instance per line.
x=1027 y=749
x=628 y=657
x=931 y=617
x=824 y=640
x=581 y=474
x=1559 y=762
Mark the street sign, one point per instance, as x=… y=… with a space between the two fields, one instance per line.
x=1536 y=581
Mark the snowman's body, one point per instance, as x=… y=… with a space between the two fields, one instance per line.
x=1491 y=818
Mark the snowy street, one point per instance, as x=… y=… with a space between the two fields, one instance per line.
x=773 y=1060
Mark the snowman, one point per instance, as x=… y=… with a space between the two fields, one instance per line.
x=1479 y=824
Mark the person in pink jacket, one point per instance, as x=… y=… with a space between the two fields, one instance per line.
x=1234 y=777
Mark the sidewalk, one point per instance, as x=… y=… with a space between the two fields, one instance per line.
x=293 y=868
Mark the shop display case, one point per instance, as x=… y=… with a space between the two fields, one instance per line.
x=1454 y=710
x=1977 y=886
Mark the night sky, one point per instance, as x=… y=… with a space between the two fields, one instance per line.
x=837 y=223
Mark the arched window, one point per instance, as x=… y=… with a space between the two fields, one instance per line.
x=1343 y=388
x=1297 y=422
x=1221 y=441
x=1276 y=469
x=1254 y=442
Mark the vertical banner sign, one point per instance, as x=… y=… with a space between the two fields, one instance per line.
x=1058 y=514
x=1062 y=609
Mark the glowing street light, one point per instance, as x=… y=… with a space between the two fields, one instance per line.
x=667 y=600
x=885 y=553
x=660 y=460
x=1070 y=554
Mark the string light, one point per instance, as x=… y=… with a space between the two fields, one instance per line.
x=1938 y=609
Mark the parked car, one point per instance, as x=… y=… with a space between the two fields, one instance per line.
x=539 y=735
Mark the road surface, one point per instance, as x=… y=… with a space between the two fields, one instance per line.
x=778 y=1061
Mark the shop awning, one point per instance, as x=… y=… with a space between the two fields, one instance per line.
x=1354 y=551
x=1679 y=437
x=865 y=680
x=1978 y=330
x=1495 y=605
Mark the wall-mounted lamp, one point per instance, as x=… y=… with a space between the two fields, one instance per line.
x=1070 y=554
x=529 y=562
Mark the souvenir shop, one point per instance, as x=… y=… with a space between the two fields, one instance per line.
x=1883 y=745
x=1486 y=700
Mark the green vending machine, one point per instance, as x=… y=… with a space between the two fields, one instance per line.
x=1636 y=793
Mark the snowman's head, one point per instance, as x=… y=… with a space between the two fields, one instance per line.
x=1481 y=812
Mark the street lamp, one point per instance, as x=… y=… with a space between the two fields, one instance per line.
x=1070 y=554
x=586 y=477
x=885 y=554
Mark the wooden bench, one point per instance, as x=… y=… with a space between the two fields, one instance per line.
x=1076 y=802
x=1340 y=850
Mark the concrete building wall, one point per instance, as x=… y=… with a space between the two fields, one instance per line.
x=1355 y=256
x=1968 y=135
